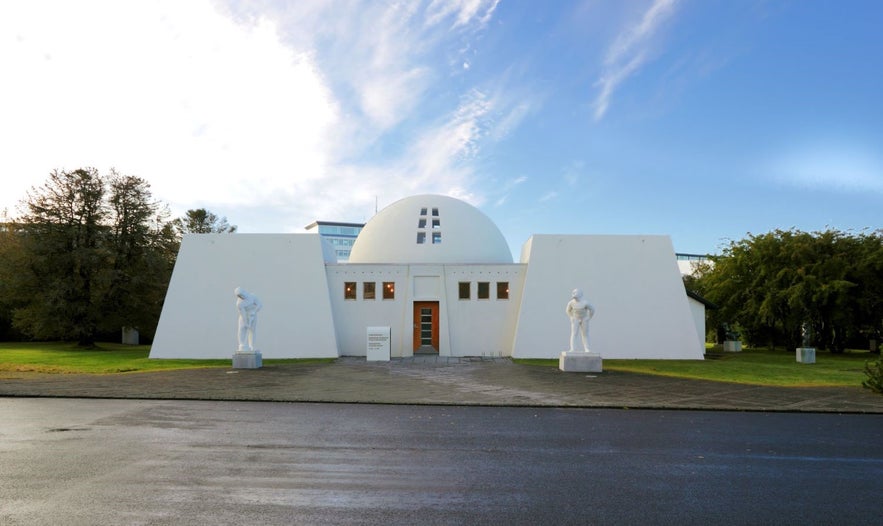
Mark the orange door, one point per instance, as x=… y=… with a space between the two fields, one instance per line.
x=426 y=326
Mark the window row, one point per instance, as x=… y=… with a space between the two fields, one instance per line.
x=421 y=238
x=369 y=290
x=388 y=290
x=421 y=223
x=484 y=290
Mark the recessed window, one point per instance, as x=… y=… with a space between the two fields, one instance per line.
x=502 y=290
x=389 y=290
x=465 y=290
x=435 y=212
x=349 y=290
x=421 y=238
x=423 y=211
x=436 y=238
x=484 y=290
x=368 y=290
x=421 y=223
x=436 y=223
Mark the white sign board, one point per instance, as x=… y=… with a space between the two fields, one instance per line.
x=378 y=344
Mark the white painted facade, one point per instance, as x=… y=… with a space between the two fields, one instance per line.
x=697 y=310
x=633 y=281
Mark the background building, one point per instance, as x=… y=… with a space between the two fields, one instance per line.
x=340 y=235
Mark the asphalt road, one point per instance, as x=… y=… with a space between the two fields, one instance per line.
x=69 y=461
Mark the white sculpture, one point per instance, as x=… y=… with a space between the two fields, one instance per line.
x=248 y=305
x=580 y=312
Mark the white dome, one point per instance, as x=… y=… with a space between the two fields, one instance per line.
x=430 y=229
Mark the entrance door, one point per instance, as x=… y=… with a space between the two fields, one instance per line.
x=426 y=327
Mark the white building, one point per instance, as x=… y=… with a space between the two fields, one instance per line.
x=440 y=275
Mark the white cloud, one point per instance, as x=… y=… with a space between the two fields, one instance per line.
x=203 y=108
x=629 y=51
x=269 y=115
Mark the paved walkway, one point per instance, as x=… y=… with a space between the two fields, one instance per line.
x=444 y=381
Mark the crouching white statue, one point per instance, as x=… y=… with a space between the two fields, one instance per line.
x=248 y=305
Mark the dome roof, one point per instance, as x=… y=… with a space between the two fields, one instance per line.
x=430 y=229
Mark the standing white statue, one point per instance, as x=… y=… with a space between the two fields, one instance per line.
x=580 y=312
x=248 y=305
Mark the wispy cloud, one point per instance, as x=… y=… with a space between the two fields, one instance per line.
x=573 y=172
x=548 y=196
x=830 y=169
x=507 y=188
x=463 y=11
x=629 y=51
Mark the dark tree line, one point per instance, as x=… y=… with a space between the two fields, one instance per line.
x=88 y=255
x=771 y=284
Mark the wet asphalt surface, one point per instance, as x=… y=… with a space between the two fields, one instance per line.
x=87 y=461
x=432 y=441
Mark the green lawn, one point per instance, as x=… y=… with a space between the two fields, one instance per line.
x=108 y=358
x=756 y=367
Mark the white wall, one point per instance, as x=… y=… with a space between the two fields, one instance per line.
x=466 y=327
x=286 y=271
x=697 y=310
x=483 y=327
x=353 y=317
x=633 y=282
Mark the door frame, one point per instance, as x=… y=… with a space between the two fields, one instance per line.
x=433 y=305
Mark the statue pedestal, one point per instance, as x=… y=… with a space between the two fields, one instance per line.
x=579 y=362
x=806 y=355
x=732 y=346
x=247 y=360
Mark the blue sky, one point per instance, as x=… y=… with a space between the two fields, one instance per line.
x=700 y=119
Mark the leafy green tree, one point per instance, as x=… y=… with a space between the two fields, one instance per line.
x=92 y=254
x=11 y=259
x=139 y=241
x=62 y=242
x=201 y=221
x=772 y=284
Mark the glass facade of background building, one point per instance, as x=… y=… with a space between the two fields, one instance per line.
x=340 y=235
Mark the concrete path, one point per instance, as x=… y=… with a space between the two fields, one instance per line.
x=440 y=381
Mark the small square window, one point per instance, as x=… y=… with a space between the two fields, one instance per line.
x=502 y=290
x=423 y=211
x=436 y=238
x=368 y=290
x=484 y=290
x=421 y=223
x=421 y=238
x=349 y=290
x=435 y=212
x=465 y=290
x=389 y=290
x=436 y=223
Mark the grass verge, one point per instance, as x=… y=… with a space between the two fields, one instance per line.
x=107 y=358
x=753 y=367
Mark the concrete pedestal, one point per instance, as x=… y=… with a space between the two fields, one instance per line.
x=579 y=362
x=247 y=360
x=732 y=346
x=806 y=355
